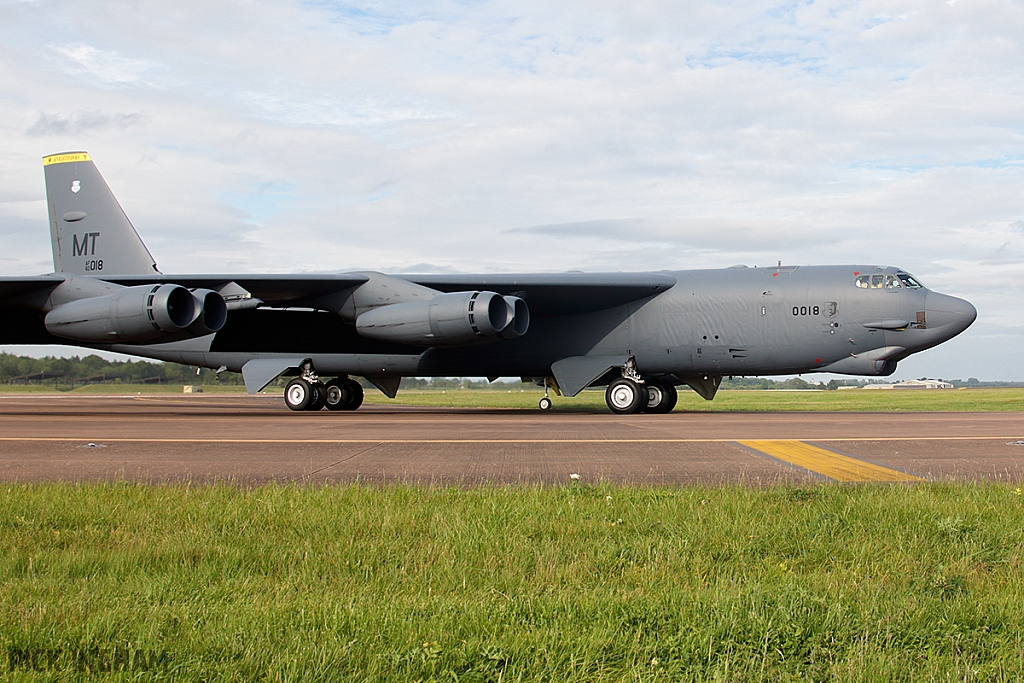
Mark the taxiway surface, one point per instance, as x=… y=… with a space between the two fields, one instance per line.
x=254 y=439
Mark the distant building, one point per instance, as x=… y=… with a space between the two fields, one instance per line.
x=913 y=384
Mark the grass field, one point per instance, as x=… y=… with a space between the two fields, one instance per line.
x=740 y=400
x=574 y=583
x=972 y=400
x=117 y=389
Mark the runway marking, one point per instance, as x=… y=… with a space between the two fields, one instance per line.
x=827 y=463
x=59 y=439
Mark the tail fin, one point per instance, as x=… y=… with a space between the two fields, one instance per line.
x=91 y=234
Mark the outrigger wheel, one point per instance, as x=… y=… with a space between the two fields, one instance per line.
x=545 y=403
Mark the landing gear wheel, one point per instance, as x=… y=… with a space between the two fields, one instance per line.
x=661 y=397
x=354 y=395
x=545 y=403
x=335 y=393
x=625 y=397
x=343 y=393
x=319 y=398
x=298 y=394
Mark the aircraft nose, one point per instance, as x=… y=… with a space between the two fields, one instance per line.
x=942 y=310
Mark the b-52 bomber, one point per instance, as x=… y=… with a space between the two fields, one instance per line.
x=641 y=335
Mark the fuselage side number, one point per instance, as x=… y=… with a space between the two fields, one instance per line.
x=806 y=310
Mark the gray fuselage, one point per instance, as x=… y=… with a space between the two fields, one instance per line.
x=735 y=321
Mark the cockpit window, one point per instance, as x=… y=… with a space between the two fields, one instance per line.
x=909 y=281
x=879 y=281
x=871 y=281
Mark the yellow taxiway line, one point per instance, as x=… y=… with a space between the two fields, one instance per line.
x=827 y=463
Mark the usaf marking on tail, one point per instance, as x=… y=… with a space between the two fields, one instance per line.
x=87 y=246
x=639 y=334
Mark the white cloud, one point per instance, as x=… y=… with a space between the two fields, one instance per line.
x=504 y=136
x=107 y=67
x=81 y=123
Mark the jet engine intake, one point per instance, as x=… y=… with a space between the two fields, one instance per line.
x=448 y=319
x=139 y=315
x=211 y=312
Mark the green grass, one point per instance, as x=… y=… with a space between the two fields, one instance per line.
x=116 y=389
x=574 y=583
x=970 y=400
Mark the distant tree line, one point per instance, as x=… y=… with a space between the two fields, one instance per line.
x=76 y=371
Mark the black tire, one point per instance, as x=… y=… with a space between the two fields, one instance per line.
x=545 y=404
x=625 y=397
x=354 y=395
x=661 y=397
x=319 y=399
x=298 y=394
x=335 y=393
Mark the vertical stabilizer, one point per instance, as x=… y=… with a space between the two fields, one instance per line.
x=91 y=234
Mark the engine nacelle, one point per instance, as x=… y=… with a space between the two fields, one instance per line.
x=139 y=315
x=447 y=320
x=519 y=318
x=212 y=312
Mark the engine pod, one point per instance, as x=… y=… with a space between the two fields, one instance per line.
x=211 y=312
x=449 y=319
x=132 y=315
x=519 y=318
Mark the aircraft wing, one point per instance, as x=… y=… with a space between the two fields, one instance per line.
x=544 y=293
x=275 y=290
x=558 y=293
x=16 y=286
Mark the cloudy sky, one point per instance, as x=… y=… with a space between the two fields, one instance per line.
x=517 y=136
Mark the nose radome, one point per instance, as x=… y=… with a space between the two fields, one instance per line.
x=942 y=310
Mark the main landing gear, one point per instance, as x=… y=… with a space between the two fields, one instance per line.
x=309 y=393
x=627 y=396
